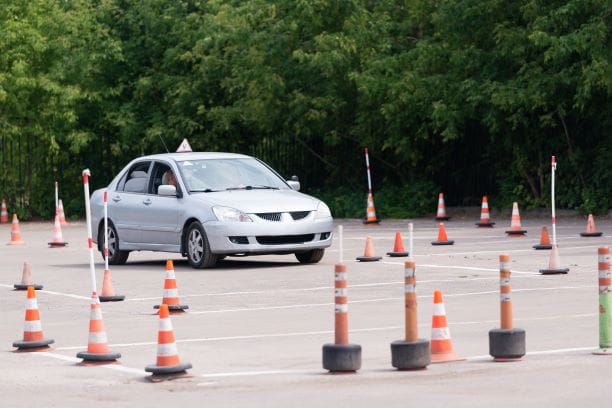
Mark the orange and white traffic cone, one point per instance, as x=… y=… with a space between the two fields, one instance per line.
x=368 y=253
x=3 y=213
x=371 y=217
x=168 y=361
x=544 y=240
x=33 y=337
x=60 y=212
x=485 y=217
x=441 y=213
x=97 y=344
x=591 y=231
x=398 y=247
x=108 y=291
x=15 y=232
x=171 y=297
x=554 y=264
x=442 y=238
x=26 y=279
x=515 y=223
x=57 y=241
x=441 y=343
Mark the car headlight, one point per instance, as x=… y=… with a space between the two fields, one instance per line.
x=230 y=214
x=323 y=211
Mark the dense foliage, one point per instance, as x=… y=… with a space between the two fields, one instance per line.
x=469 y=97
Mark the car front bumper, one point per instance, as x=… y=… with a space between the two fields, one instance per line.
x=268 y=237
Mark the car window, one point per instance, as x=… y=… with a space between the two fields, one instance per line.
x=135 y=179
x=162 y=174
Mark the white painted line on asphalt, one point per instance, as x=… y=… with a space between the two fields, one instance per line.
x=49 y=292
x=75 y=360
x=498 y=251
x=469 y=268
x=258 y=373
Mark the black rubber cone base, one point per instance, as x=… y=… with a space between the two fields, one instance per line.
x=19 y=286
x=371 y=222
x=507 y=344
x=542 y=246
x=442 y=242
x=410 y=355
x=24 y=345
x=516 y=233
x=368 y=258
x=397 y=254
x=591 y=234
x=443 y=218
x=57 y=244
x=485 y=224
x=174 y=307
x=554 y=271
x=98 y=357
x=116 y=298
x=161 y=370
x=338 y=358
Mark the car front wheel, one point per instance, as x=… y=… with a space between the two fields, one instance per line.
x=115 y=255
x=312 y=256
x=198 y=248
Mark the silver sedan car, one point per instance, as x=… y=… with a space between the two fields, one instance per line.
x=207 y=206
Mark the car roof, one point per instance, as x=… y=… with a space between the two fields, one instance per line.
x=196 y=156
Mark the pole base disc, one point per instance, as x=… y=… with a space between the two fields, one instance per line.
x=442 y=242
x=410 y=355
x=342 y=358
x=603 y=352
x=507 y=344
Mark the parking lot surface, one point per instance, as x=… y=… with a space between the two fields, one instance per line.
x=255 y=326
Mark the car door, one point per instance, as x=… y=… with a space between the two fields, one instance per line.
x=125 y=203
x=161 y=224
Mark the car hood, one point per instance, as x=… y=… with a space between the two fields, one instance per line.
x=260 y=201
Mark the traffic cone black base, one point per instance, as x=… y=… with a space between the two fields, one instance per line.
x=591 y=234
x=98 y=357
x=116 y=298
x=485 y=224
x=161 y=370
x=542 y=246
x=26 y=345
x=19 y=286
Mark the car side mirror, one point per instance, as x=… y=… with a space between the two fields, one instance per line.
x=167 y=190
x=295 y=185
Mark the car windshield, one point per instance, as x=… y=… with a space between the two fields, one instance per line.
x=228 y=174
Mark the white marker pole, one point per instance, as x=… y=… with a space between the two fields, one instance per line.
x=552 y=201
x=106 y=230
x=410 y=234
x=56 y=199
x=367 y=157
x=86 y=174
x=341 y=248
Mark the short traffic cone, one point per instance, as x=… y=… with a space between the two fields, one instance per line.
x=60 y=212
x=371 y=217
x=168 y=361
x=97 y=344
x=515 y=223
x=441 y=344
x=554 y=265
x=441 y=213
x=591 y=231
x=442 y=238
x=15 y=232
x=544 y=240
x=3 y=213
x=368 y=253
x=171 y=297
x=108 y=291
x=398 y=247
x=57 y=241
x=26 y=279
x=33 y=337
x=485 y=217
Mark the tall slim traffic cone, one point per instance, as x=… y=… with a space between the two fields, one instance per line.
x=515 y=223
x=60 y=212
x=398 y=247
x=485 y=217
x=441 y=343
x=368 y=253
x=108 y=291
x=3 y=213
x=15 y=232
x=57 y=240
x=33 y=337
x=168 y=361
x=97 y=344
x=371 y=217
x=26 y=279
x=591 y=231
x=605 y=302
x=171 y=297
x=441 y=213
x=554 y=265
x=442 y=238
x=544 y=240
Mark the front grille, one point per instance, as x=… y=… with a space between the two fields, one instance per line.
x=284 y=239
x=298 y=215
x=270 y=216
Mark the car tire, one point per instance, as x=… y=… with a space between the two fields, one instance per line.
x=115 y=255
x=312 y=256
x=197 y=247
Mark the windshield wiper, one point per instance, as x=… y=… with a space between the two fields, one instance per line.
x=208 y=190
x=253 y=188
